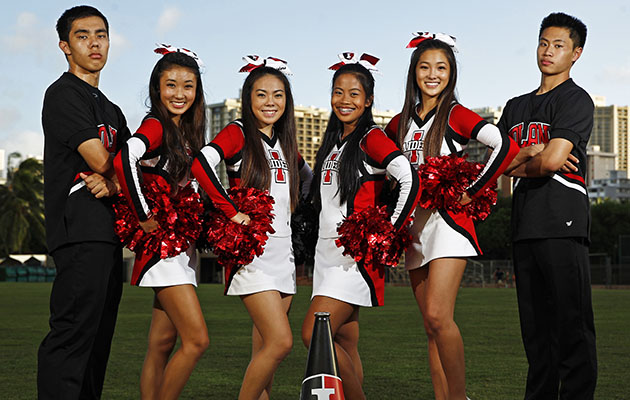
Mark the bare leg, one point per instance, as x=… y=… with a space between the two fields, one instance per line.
x=344 y=318
x=182 y=307
x=257 y=343
x=268 y=310
x=418 y=279
x=438 y=306
x=348 y=338
x=162 y=339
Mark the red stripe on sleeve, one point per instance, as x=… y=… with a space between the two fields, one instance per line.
x=151 y=128
x=463 y=120
x=377 y=145
x=231 y=140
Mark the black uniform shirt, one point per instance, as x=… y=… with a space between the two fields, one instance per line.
x=73 y=112
x=553 y=206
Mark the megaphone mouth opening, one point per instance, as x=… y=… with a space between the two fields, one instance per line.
x=322 y=314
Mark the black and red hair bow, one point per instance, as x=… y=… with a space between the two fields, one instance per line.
x=420 y=37
x=167 y=49
x=366 y=60
x=254 y=61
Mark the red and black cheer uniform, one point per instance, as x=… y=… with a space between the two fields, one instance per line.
x=339 y=276
x=441 y=233
x=141 y=159
x=550 y=233
x=275 y=268
x=81 y=239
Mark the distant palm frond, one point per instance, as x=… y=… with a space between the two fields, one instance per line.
x=22 y=228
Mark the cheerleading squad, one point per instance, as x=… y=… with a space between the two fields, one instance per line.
x=90 y=157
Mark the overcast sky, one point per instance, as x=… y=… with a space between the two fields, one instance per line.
x=496 y=39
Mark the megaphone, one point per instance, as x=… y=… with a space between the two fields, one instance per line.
x=321 y=379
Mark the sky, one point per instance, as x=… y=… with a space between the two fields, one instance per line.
x=496 y=41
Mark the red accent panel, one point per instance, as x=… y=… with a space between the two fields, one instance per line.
x=332 y=382
x=367 y=195
x=141 y=261
x=391 y=130
x=466 y=223
x=377 y=145
x=231 y=140
x=463 y=121
x=151 y=128
x=377 y=275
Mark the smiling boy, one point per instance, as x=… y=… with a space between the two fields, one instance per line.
x=550 y=218
x=82 y=131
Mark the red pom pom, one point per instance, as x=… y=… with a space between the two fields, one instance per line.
x=445 y=178
x=178 y=217
x=369 y=236
x=236 y=244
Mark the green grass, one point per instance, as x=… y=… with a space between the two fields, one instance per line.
x=392 y=345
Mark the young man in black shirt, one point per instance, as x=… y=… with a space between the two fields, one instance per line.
x=82 y=130
x=550 y=219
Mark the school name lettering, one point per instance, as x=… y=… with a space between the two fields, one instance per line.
x=535 y=133
x=278 y=164
x=331 y=165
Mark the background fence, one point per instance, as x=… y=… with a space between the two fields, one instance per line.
x=500 y=273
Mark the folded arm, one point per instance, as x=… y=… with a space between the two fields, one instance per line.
x=553 y=157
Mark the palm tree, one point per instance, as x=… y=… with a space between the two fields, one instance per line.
x=22 y=228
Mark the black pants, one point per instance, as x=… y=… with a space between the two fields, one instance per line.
x=554 y=300
x=83 y=308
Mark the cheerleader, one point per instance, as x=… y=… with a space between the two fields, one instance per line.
x=350 y=170
x=432 y=123
x=260 y=151
x=162 y=147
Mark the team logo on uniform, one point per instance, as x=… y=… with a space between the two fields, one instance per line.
x=108 y=137
x=536 y=133
x=278 y=166
x=330 y=165
x=322 y=387
x=413 y=148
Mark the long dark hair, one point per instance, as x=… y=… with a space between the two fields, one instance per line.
x=435 y=136
x=352 y=158
x=192 y=125
x=255 y=169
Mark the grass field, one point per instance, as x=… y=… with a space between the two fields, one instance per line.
x=392 y=345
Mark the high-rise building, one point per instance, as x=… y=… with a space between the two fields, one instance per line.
x=310 y=124
x=221 y=114
x=610 y=132
x=615 y=187
x=600 y=164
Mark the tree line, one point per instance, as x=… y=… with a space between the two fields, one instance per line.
x=609 y=220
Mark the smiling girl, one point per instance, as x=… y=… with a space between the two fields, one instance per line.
x=432 y=123
x=260 y=151
x=350 y=170
x=163 y=146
